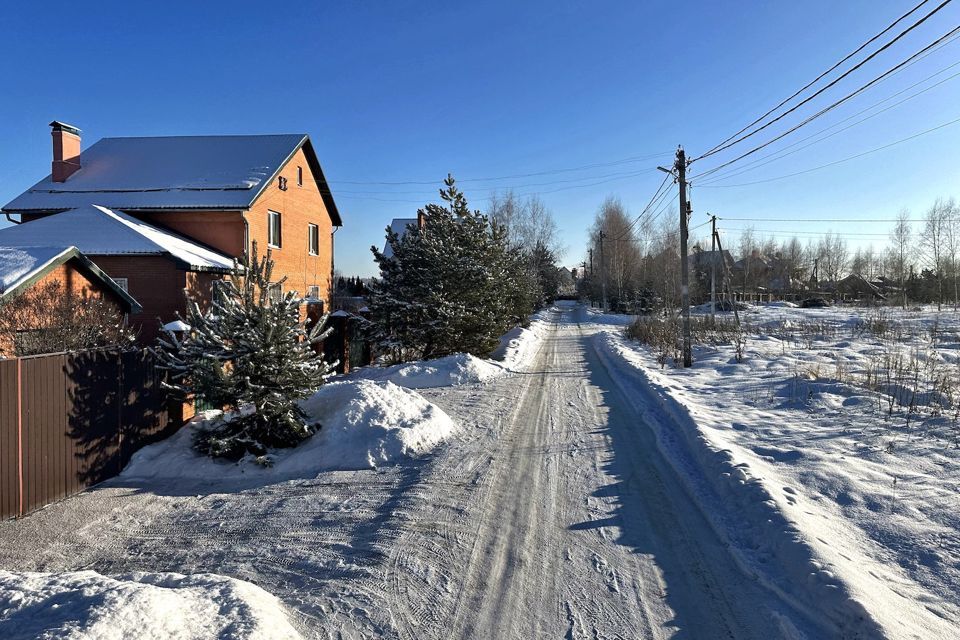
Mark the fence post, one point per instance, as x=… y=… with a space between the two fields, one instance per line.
x=19 y=437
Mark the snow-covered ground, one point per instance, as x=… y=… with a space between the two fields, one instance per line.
x=571 y=489
x=84 y=604
x=833 y=447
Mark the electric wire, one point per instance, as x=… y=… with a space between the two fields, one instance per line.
x=835 y=81
x=825 y=73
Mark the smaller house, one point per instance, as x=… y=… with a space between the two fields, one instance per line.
x=400 y=226
x=158 y=267
x=76 y=277
x=857 y=287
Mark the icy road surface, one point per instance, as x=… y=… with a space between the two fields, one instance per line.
x=553 y=517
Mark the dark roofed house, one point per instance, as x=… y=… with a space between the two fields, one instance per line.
x=169 y=214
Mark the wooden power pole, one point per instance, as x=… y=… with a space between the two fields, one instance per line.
x=681 y=168
x=713 y=266
x=603 y=274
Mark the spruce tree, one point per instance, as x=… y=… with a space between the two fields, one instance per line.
x=249 y=352
x=447 y=287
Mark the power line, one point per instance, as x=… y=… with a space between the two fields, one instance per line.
x=510 y=177
x=633 y=224
x=822 y=75
x=835 y=162
x=778 y=155
x=832 y=83
x=835 y=104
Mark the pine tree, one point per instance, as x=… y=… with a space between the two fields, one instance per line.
x=447 y=286
x=250 y=350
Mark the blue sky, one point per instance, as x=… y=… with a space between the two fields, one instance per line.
x=407 y=91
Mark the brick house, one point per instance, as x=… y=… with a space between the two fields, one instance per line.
x=210 y=196
x=76 y=277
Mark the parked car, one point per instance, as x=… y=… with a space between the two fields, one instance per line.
x=814 y=303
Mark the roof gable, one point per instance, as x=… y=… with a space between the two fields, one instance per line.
x=97 y=230
x=176 y=172
x=21 y=267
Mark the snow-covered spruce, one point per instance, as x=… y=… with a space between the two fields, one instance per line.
x=249 y=350
x=456 y=285
x=137 y=606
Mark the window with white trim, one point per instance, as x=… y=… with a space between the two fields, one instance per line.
x=273 y=229
x=299 y=176
x=123 y=283
x=313 y=239
x=313 y=292
x=275 y=292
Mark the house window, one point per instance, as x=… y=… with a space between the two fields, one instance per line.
x=313 y=292
x=299 y=176
x=123 y=283
x=275 y=292
x=282 y=183
x=273 y=229
x=313 y=235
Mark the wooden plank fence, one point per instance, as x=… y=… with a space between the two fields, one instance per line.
x=69 y=421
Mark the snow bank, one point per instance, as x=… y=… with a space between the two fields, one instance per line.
x=366 y=424
x=519 y=345
x=85 y=604
x=363 y=424
x=828 y=498
x=767 y=544
x=457 y=369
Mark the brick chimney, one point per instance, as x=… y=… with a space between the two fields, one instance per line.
x=66 y=150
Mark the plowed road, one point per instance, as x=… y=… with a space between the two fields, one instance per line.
x=554 y=516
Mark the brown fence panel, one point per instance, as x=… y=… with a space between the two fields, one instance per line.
x=9 y=447
x=82 y=416
x=147 y=413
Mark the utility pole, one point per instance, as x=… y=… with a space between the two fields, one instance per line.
x=679 y=173
x=681 y=167
x=603 y=274
x=727 y=277
x=713 y=266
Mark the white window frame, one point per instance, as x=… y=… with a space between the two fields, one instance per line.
x=313 y=292
x=123 y=283
x=274 y=242
x=275 y=292
x=299 y=176
x=313 y=232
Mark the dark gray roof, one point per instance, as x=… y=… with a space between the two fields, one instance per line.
x=177 y=172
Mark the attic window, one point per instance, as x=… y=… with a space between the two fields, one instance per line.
x=123 y=283
x=299 y=176
x=282 y=183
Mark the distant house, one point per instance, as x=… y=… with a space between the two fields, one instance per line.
x=188 y=203
x=400 y=226
x=76 y=277
x=857 y=287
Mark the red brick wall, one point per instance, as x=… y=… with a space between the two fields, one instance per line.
x=298 y=206
x=75 y=283
x=153 y=281
x=221 y=230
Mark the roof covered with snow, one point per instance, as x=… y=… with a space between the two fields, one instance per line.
x=21 y=267
x=398 y=226
x=18 y=264
x=98 y=231
x=176 y=172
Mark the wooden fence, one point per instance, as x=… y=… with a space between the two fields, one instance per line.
x=69 y=421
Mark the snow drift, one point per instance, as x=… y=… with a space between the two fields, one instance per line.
x=456 y=369
x=85 y=604
x=363 y=424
